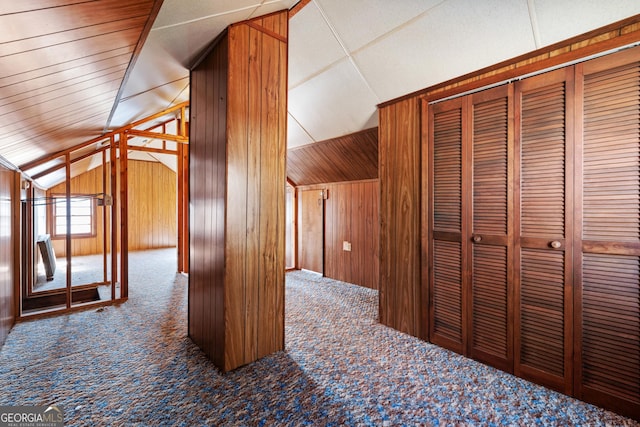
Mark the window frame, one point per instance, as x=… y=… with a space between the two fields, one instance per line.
x=53 y=217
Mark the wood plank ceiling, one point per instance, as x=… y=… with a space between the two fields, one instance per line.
x=63 y=63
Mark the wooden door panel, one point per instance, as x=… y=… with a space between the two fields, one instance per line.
x=607 y=342
x=447 y=294
x=544 y=173
x=447 y=314
x=542 y=310
x=491 y=333
x=311 y=242
x=490 y=337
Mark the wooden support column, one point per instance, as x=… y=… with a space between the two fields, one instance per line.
x=183 y=208
x=67 y=162
x=105 y=220
x=113 y=154
x=237 y=193
x=124 y=219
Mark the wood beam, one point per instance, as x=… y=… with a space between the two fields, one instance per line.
x=156 y=135
x=152 y=150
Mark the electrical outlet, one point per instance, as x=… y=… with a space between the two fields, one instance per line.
x=346 y=246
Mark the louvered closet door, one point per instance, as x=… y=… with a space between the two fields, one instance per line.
x=608 y=264
x=491 y=333
x=544 y=176
x=447 y=314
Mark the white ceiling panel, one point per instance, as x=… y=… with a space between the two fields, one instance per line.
x=313 y=46
x=336 y=102
x=154 y=68
x=179 y=11
x=560 y=20
x=183 y=43
x=296 y=136
x=150 y=102
x=452 y=39
x=358 y=22
x=270 y=6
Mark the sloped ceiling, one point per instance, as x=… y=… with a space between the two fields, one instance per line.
x=352 y=157
x=348 y=56
x=63 y=63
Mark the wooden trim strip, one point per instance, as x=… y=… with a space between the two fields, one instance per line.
x=298 y=7
x=266 y=31
x=613 y=36
x=41 y=314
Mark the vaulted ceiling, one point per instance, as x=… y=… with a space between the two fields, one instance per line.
x=71 y=70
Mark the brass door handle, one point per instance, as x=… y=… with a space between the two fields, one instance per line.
x=477 y=239
x=555 y=244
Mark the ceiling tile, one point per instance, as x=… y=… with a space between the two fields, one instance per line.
x=178 y=11
x=359 y=22
x=296 y=136
x=184 y=43
x=560 y=20
x=334 y=103
x=455 y=38
x=312 y=45
x=150 y=102
x=153 y=69
x=272 y=6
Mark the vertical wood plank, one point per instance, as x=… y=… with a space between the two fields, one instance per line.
x=254 y=120
x=237 y=183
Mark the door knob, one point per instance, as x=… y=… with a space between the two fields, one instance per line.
x=477 y=239
x=555 y=244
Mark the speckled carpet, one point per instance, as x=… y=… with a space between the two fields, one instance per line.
x=133 y=365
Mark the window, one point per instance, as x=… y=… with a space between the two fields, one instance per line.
x=82 y=216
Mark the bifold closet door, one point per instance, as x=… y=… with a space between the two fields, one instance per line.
x=491 y=216
x=607 y=335
x=470 y=251
x=543 y=228
x=447 y=311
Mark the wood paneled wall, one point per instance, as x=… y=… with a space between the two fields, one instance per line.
x=9 y=252
x=403 y=299
x=152 y=208
x=349 y=212
x=152 y=205
x=352 y=215
x=237 y=186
